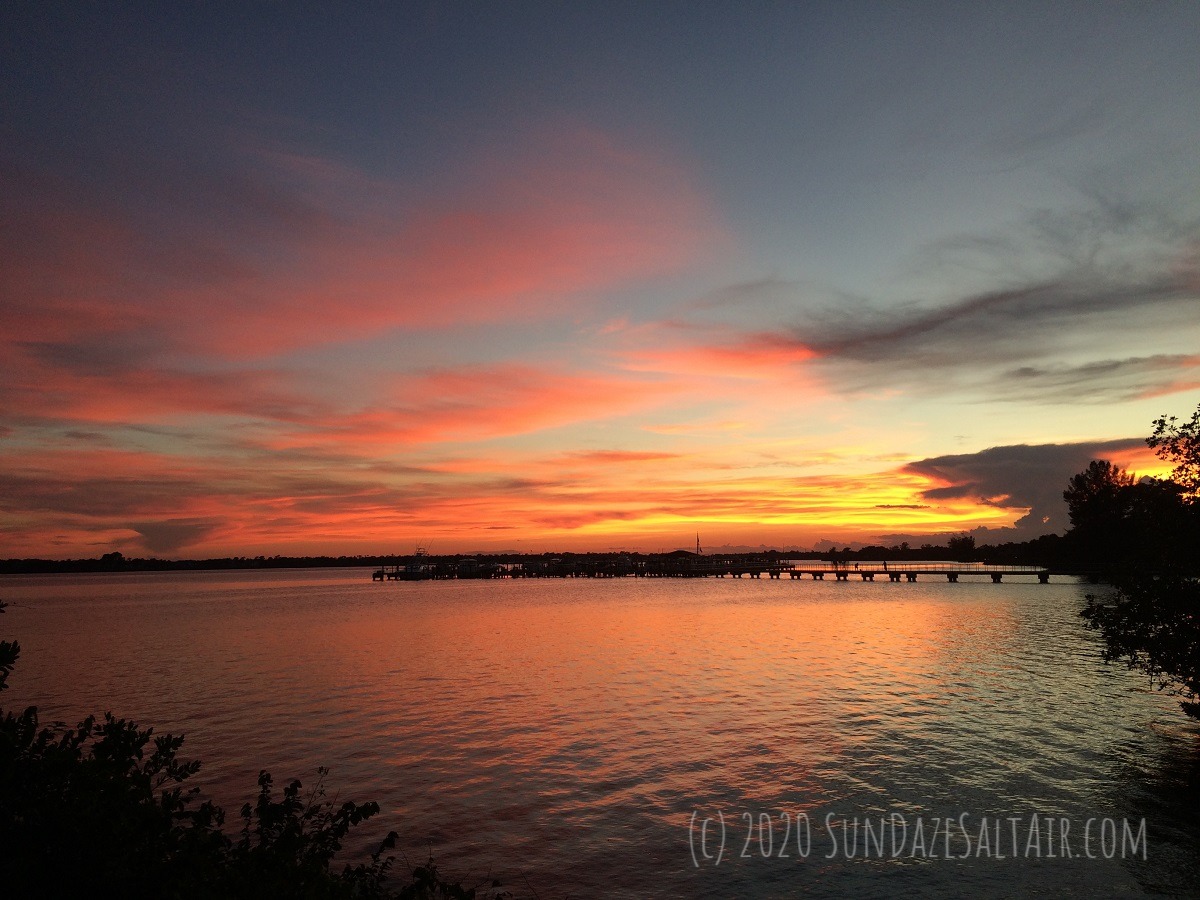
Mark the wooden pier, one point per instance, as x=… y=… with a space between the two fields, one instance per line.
x=426 y=568
x=907 y=572
x=911 y=573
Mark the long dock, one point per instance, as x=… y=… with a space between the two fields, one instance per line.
x=893 y=573
x=711 y=567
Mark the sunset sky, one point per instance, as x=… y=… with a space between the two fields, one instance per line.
x=520 y=276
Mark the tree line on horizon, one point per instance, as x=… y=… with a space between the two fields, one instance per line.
x=1045 y=550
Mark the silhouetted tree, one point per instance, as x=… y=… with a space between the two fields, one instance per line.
x=1158 y=528
x=1150 y=533
x=962 y=548
x=1179 y=443
x=1098 y=503
x=1095 y=494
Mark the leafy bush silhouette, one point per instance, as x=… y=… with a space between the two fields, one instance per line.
x=1143 y=538
x=1153 y=624
x=104 y=807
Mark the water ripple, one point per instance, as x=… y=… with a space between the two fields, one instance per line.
x=565 y=731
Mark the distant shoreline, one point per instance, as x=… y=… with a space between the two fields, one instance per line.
x=1046 y=550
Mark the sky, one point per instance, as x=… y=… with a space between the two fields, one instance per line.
x=305 y=279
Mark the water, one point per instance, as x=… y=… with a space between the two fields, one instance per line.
x=572 y=736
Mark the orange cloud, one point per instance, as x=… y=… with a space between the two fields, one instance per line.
x=477 y=403
x=1141 y=461
x=755 y=356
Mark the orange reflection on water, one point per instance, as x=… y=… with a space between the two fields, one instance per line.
x=617 y=680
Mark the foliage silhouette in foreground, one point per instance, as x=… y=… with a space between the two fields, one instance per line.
x=1179 y=443
x=1147 y=535
x=1154 y=625
x=103 y=807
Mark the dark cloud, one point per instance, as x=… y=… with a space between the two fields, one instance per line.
x=172 y=534
x=954 y=492
x=95 y=498
x=583 y=519
x=1084 y=283
x=1021 y=476
x=99 y=355
x=982 y=336
x=1103 y=381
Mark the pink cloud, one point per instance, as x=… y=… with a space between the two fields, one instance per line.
x=283 y=411
x=144 y=393
x=285 y=260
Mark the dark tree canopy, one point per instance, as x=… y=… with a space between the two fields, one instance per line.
x=962 y=548
x=1144 y=539
x=1095 y=494
x=1120 y=523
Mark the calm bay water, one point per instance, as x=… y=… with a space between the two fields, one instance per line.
x=574 y=736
